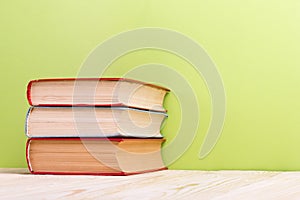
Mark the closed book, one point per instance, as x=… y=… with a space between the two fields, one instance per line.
x=94 y=156
x=96 y=92
x=93 y=122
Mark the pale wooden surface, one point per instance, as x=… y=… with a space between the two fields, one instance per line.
x=167 y=184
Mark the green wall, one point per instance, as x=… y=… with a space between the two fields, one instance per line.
x=255 y=45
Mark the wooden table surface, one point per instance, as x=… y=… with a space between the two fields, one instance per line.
x=167 y=184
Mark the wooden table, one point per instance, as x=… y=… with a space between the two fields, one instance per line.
x=167 y=184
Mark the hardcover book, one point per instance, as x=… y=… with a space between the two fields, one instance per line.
x=93 y=122
x=98 y=156
x=96 y=92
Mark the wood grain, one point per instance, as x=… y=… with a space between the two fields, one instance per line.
x=167 y=184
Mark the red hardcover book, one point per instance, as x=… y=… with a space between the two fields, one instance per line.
x=96 y=92
x=94 y=156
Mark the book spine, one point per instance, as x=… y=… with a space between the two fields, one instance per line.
x=27 y=156
x=28 y=92
x=27 y=120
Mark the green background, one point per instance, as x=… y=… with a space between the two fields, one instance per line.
x=255 y=45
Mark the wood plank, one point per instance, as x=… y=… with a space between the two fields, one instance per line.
x=167 y=184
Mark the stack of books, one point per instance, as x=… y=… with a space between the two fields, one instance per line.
x=106 y=126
